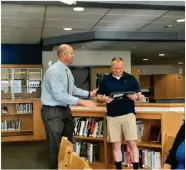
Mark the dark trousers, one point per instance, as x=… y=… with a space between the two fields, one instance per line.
x=58 y=122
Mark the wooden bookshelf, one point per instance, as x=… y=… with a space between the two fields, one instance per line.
x=169 y=120
x=31 y=127
x=147 y=145
x=16 y=133
x=88 y=138
x=165 y=118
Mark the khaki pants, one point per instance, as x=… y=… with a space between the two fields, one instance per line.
x=126 y=125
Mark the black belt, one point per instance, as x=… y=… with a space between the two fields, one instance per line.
x=58 y=106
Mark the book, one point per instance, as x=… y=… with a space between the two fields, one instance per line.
x=154 y=134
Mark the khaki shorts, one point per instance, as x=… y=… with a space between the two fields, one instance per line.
x=126 y=125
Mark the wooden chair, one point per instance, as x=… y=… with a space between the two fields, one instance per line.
x=76 y=162
x=169 y=140
x=65 y=151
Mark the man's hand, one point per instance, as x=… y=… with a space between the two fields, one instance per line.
x=93 y=93
x=107 y=99
x=133 y=97
x=102 y=99
x=137 y=96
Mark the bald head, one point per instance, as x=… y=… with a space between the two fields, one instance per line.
x=65 y=54
x=62 y=49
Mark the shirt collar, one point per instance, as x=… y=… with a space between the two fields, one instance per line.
x=62 y=65
x=124 y=73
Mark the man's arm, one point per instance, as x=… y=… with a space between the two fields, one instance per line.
x=79 y=92
x=140 y=96
x=84 y=93
x=58 y=89
x=60 y=94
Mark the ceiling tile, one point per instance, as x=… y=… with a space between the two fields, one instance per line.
x=124 y=25
x=165 y=19
x=23 y=14
x=20 y=41
x=18 y=7
x=154 y=26
x=125 y=18
x=53 y=28
x=175 y=14
x=19 y=21
x=59 y=22
x=21 y=27
x=136 y=12
x=74 y=17
x=87 y=10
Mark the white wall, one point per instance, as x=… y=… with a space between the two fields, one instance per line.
x=90 y=58
x=160 y=69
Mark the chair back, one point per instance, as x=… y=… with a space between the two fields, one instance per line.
x=65 y=150
x=76 y=162
x=169 y=140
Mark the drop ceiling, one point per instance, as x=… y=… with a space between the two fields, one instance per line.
x=28 y=24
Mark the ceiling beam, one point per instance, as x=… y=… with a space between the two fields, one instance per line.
x=71 y=38
x=166 y=5
x=113 y=36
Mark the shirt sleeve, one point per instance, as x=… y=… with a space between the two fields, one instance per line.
x=79 y=92
x=58 y=89
x=137 y=86
x=102 y=87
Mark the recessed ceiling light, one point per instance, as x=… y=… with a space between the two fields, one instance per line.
x=145 y=59
x=180 y=62
x=168 y=26
x=78 y=9
x=180 y=20
x=161 y=55
x=67 y=29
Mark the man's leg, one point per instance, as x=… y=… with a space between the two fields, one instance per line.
x=134 y=152
x=130 y=132
x=68 y=125
x=116 y=146
x=114 y=133
x=54 y=128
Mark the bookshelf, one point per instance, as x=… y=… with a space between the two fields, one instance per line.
x=21 y=81
x=165 y=119
x=20 y=103
x=101 y=141
x=22 y=121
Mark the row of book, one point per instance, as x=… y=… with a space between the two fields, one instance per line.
x=7 y=125
x=20 y=108
x=148 y=159
x=89 y=127
x=140 y=129
x=87 y=150
x=93 y=127
x=24 y=108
